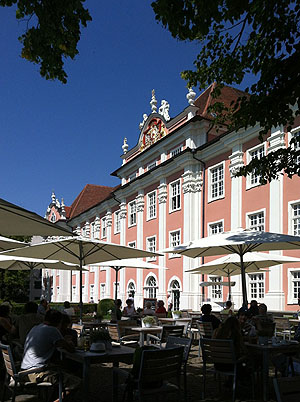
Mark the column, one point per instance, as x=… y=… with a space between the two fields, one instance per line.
x=275 y=296
x=236 y=162
x=140 y=206
x=162 y=237
x=108 y=270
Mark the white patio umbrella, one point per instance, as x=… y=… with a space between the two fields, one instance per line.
x=18 y=221
x=240 y=242
x=82 y=251
x=7 y=244
x=11 y=263
x=230 y=265
x=128 y=263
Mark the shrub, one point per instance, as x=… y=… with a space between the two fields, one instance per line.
x=104 y=306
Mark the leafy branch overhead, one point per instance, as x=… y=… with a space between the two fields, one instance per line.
x=239 y=39
x=52 y=32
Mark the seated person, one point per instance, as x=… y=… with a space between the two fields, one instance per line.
x=68 y=309
x=117 y=313
x=227 y=308
x=65 y=329
x=148 y=310
x=26 y=321
x=246 y=325
x=264 y=322
x=43 y=307
x=129 y=309
x=40 y=346
x=208 y=317
x=253 y=310
x=161 y=308
x=6 y=327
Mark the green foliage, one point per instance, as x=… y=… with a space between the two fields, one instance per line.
x=52 y=32
x=100 y=334
x=238 y=38
x=104 y=306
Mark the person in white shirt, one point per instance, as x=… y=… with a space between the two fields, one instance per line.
x=68 y=309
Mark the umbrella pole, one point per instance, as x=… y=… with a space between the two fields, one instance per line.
x=116 y=284
x=229 y=287
x=80 y=283
x=244 y=288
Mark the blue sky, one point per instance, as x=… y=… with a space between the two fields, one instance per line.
x=61 y=137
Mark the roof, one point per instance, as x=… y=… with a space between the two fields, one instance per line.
x=204 y=100
x=90 y=196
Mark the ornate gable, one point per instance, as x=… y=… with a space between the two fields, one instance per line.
x=153 y=132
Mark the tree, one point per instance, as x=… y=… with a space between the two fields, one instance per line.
x=238 y=39
x=52 y=32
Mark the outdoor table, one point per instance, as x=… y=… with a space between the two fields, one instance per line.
x=173 y=320
x=144 y=331
x=294 y=321
x=90 y=325
x=287 y=347
x=118 y=354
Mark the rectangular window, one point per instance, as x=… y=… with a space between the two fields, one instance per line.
x=175 y=240
x=176 y=151
x=175 y=198
x=103 y=227
x=102 y=290
x=216 y=180
x=257 y=286
x=256 y=221
x=151 y=165
x=296 y=219
x=151 y=205
x=296 y=145
x=151 y=246
x=93 y=230
x=295 y=284
x=117 y=222
x=132 y=213
x=216 y=290
x=215 y=228
x=258 y=152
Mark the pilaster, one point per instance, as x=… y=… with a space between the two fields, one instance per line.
x=162 y=236
x=140 y=207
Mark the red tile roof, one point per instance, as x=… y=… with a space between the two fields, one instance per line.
x=90 y=196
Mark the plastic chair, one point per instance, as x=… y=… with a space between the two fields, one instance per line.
x=173 y=342
x=17 y=380
x=221 y=352
x=157 y=368
x=287 y=389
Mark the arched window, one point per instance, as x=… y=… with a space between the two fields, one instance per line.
x=53 y=217
x=175 y=294
x=150 y=288
x=131 y=289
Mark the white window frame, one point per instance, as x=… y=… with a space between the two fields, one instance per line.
x=93 y=230
x=253 y=213
x=212 y=291
x=175 y=151
x=290 y=275
x=132 y=244
x=250 y=281
x=211 y=170
x=148 y=248
x=151 y=165
x=117 y=221
x=171 y=242
x=102 y=290
x=103 y=227
x=175 y=196
x=153 y=292
x=151 y=206
x=131 y=215
x=53 y=217
x=211 y=225
x=249 y=157
x=291 y=216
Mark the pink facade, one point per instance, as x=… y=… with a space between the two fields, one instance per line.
x=164 y=180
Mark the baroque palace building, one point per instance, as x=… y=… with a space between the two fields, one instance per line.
x=178 y=184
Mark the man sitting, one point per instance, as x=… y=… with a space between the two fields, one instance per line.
x=28 y=320
x=40 y=345
x=208 y=317
x=227 y=309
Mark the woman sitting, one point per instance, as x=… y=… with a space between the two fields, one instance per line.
x=6 y=326
x=148 y=310
x=129 y=309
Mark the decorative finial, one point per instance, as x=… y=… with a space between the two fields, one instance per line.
x=125 y=146
x=53 y=197
x=141 y=125
x=153 y=102
x=191 y=96
x=164 y=110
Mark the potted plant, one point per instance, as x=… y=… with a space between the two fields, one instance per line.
x=100 y=340
x=149 y=321
x=176 y=314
